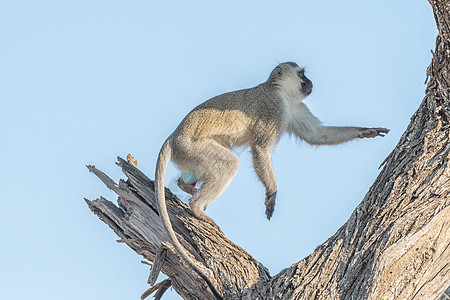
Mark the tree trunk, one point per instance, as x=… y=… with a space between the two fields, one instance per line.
x=394 y=246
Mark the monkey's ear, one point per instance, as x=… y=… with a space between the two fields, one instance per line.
x=276 y=74
x=278 y=71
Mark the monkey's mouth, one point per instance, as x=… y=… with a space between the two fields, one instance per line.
x=306 y=88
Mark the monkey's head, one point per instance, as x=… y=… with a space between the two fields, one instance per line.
x=290 y=78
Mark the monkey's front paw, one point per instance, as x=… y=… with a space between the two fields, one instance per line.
x=270 y=204
x=373 y=132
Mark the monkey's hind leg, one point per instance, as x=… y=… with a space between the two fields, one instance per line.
x=215 y=166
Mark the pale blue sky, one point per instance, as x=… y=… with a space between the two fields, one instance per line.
x=84 y=81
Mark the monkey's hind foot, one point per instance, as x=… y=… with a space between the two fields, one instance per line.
x=186 y=187
x=200 y=214
x=270 y=204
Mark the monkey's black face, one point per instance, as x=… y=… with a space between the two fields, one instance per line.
x=306 y=85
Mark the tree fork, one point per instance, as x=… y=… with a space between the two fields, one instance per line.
x=394 y=246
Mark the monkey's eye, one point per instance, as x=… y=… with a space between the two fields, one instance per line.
x=301 y=73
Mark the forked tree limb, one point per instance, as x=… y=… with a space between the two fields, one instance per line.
x=394 y=246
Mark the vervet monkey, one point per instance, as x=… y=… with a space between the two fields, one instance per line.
x=256 y=117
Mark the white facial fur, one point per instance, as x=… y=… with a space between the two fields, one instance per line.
x=290 y=86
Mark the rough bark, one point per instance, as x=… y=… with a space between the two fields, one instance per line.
x=394 y=246
x=137 y=223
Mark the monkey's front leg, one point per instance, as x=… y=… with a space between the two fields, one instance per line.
x=333 y=135
x=262 y=162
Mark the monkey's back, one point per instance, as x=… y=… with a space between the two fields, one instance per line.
x=232 y=119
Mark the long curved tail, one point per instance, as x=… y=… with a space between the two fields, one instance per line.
x=163 y=160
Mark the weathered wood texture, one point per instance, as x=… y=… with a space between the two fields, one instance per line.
x=136 y=222
x=394 y=246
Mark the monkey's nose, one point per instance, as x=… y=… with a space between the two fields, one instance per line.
x=307 y=87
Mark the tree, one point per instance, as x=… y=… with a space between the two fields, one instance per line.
x=394 y=246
